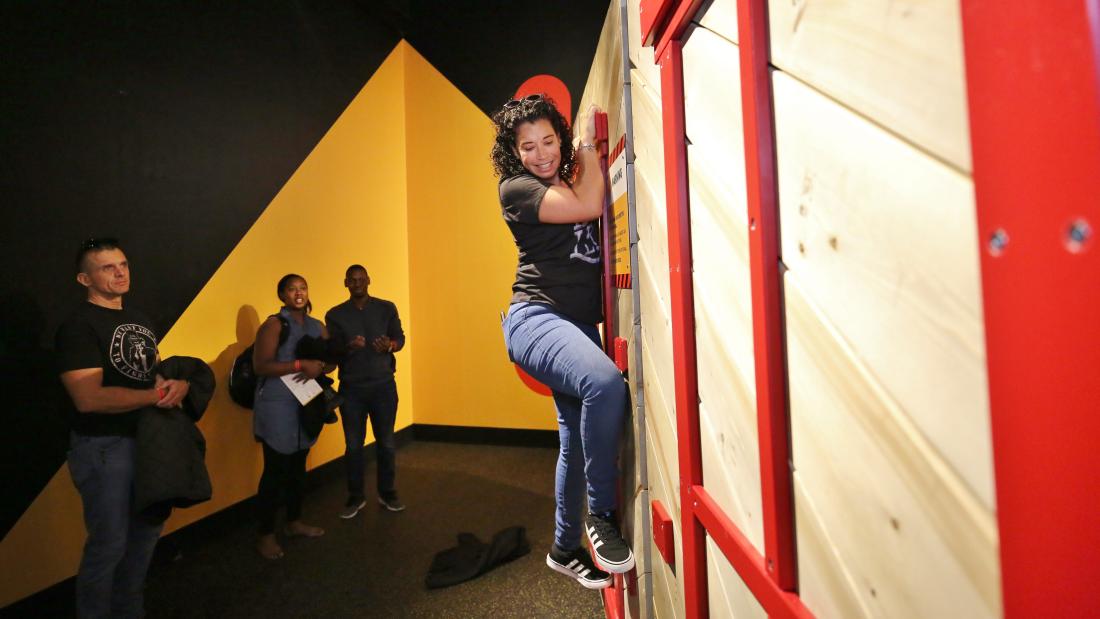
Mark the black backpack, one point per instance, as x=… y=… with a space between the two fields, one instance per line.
x=242 y=376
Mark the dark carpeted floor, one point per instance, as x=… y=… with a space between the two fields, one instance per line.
x=375 y=564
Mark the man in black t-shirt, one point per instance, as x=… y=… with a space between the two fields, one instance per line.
x=107 y=357
x=371 y=330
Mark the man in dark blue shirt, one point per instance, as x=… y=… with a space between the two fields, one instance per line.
x=371 y=330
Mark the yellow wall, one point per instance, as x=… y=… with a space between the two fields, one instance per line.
x=342 y=206
x=462 y=260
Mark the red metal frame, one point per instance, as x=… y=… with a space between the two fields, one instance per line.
x=767 y=295
x=664 y=536
x=613 y=596
x=676 y=26
x=1032 y=85
x=621 y=358
x=651 y=16
x=682 y=301
x=744 y=558
x=605 y=238
x=770 y=578
x=1034 y=96
x=613 y=606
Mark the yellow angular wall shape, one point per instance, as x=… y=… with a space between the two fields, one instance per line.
x=463 y=261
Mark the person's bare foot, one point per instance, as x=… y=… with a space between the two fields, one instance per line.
x=301 y=529
x=269 y=547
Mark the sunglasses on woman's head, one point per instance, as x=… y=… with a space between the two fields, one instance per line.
x=514 y=102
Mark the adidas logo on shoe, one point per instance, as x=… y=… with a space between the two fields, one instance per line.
x=611 y=551
x=578 y=565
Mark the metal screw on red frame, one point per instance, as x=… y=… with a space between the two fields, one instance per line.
x=1078 y=235
x=998 y=242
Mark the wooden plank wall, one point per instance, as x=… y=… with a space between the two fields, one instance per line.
x=654 y=310
x=723 y=293
x=896 y=62
x=605 y=87
x=888 y=396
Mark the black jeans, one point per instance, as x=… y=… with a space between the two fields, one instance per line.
x=282 y=483
x=379 y=403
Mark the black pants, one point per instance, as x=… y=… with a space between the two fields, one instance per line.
x=379 y=403
x=282 y=483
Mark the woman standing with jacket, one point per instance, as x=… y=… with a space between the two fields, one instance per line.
x=275 y=422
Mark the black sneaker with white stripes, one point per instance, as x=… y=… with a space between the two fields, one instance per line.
x=577 y=564
x=612 y=553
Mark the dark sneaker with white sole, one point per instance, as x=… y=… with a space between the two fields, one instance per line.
x=612 y=553
x=351 y=509
x=578 y=565
x=391 y=503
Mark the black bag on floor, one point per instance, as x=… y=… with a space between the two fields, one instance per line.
x=472 y=557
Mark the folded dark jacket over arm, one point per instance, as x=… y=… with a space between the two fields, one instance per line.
x=170 y=460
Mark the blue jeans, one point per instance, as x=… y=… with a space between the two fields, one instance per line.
x=120 y=545
x=590 y=397
x=378 y=401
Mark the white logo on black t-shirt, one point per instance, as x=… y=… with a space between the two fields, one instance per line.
x=134 y=351
x=587 y=247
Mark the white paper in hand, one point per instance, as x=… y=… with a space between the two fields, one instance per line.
x=303 y=391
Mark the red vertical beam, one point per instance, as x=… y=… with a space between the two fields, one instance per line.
x=767 y=301
x=1035 y=133
x=682 y=301
x=677 y=24
x=613 y=595
x=605 y=238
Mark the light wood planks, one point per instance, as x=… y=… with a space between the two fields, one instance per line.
x=605 y=77
x=721 y=18
x=728 y=596
x=885 y=239
x=899 y=62
x=663 y=486
x=825 y=584
x=649 y=149
x=656 y=328
x=653 y=280
x=661 y=440
x=720 y=268
x=641 y=57
x=914 y=541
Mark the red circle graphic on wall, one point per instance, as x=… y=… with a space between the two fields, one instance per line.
x=551 y=87
x=532 y=383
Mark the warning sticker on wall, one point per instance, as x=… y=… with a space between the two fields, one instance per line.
x=620 y=223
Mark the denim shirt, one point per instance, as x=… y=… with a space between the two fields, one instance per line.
x=275 y=414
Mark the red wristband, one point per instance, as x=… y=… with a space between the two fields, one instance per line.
x=161 y=391
x=297 y=365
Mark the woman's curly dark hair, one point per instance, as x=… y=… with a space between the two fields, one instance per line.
x=505 y=161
